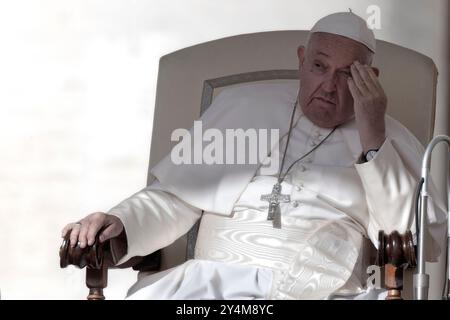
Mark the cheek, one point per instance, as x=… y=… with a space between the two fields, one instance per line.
x=308 y=84
x=346 y=97
x=345 y=101
x=344 y=93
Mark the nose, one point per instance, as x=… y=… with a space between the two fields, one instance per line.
x=329 y=84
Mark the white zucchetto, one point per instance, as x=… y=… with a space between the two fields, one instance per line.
x=349 y=25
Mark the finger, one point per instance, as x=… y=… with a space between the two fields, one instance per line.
x=82 y=236
x=353 y=89
x=374 y=78
x=94 y=227
x=368 y=81
x=359 y=82
x=67 y=228
x=109 y=232
x=74 y=235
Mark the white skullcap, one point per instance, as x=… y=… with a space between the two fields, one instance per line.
x=349 y=25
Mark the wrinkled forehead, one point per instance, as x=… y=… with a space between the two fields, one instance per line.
x=338 y=49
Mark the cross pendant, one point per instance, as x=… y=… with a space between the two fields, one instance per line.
x=274 y=199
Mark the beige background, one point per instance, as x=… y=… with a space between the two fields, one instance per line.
x=77 y=81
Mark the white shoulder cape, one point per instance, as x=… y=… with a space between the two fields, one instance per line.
x=215 y=188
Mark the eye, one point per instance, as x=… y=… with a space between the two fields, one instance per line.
x=345 y=73
x=318 y=65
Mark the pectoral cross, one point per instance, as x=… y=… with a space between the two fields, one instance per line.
x=275 y=198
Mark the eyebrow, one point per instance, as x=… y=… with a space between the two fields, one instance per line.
x=346 y=69
x=323 y=53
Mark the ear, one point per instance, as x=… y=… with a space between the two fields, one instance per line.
x=376 y=71
x=301 y=55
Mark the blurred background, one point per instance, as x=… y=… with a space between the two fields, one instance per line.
x=77 y=90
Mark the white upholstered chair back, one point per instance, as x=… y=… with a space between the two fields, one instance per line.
x=189 y=78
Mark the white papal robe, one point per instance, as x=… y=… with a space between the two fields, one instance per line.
x=335 y=204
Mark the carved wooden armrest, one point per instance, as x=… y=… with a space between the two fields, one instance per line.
x=99 y=257
x=396 y=253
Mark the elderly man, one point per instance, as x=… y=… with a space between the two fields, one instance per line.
x=346 y=171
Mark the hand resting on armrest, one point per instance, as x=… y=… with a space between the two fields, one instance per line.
x=85 y=231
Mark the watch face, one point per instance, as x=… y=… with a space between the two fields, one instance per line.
x=370 y=155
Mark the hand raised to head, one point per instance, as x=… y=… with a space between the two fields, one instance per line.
x=370 y=104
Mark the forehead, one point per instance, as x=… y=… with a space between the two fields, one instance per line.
x=335 y=48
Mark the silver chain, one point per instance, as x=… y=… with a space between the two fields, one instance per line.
x=280 y=177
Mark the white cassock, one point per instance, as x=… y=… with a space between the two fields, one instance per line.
x=336 y=203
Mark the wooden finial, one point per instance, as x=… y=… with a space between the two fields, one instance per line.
x=395 y=253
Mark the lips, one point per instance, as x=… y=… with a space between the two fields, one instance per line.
x=325 y=100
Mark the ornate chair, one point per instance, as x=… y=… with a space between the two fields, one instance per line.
x=199 y=72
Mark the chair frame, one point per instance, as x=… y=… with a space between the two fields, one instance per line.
x=99 y=257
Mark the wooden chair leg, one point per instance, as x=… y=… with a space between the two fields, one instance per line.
x=96 y=281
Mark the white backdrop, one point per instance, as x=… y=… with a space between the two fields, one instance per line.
x=77 y=88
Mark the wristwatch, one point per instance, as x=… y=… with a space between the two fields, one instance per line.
x=370 y=154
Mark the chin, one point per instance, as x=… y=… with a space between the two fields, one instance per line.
x=324 y=124
x=321 y=118
x=324 y=115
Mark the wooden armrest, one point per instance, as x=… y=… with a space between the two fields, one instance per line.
x=99 y=257
x=396 y=253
